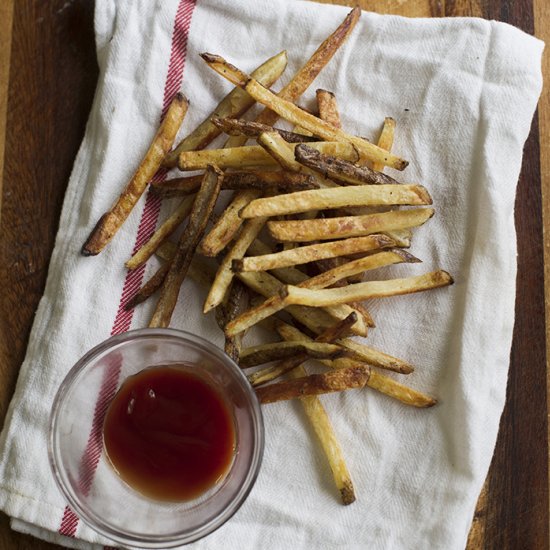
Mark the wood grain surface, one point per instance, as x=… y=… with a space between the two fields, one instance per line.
x=53 y=73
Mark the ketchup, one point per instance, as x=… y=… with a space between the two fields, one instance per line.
x=169 y=434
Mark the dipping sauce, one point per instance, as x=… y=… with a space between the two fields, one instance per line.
x=169 y=434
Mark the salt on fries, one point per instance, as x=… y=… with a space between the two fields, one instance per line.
x=311 y=213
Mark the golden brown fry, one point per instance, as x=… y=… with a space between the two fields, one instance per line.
x=364 y=291
x=337 y=197
x=265 y=353
x=353 y=267
x=224 y=276
x=315 y=384
x=233 y=104
x=202 y=209
x=254 y=156
x=297 y=116
x=365 y=353
x=162 y=233
x=112 y=220
x=328 y=107
x=149 y=288
x=347 y=226
x=227 y=225
x=280 y=181
x=398 y=391
x=227 y=311
x=311 y=253
x=385 y=141
x=241 y=127
x=339 y=170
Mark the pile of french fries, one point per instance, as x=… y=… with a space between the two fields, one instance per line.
x=311 y=212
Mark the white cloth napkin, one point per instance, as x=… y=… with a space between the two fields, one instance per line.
x=463 y=93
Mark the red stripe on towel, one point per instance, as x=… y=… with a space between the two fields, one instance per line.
x=133 y=280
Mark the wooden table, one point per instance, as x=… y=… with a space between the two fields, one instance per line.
x=49 y=81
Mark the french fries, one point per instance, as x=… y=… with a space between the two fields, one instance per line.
x=338 y=197
x=202 y=209
x=232 y=105
x=311 y=253
x=111 y=221
x=297 y=116
x=341 y=171
x=385 y=141
x=276 y=182
x=315 y=384
x=328 y=108
x=227 y=312
x=347 y=226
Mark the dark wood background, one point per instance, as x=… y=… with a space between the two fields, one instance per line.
x=52 y=77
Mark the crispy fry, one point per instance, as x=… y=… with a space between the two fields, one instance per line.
x=265 y=353
x=224 y=276
x=347 y=226
x=353 y=267
x=226 y=312
x=341 y=171
x=337 y=197
x=149 y=288
x=365 y=353
x=297 y=116
x=162 y=233
x=280 y=182
x=385 y=141
x=328 y=107
x=295 y=295
x=202 y=209
x=233 y=104
x=254 y=156
x=315 y=384
x=227 y=225
x=398 y=391
x=241 y=127
x=112 y=220
x=311 y=253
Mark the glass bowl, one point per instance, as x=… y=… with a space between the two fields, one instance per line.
x=84 y=473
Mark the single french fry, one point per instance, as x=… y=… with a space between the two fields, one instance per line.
x=289 y=111
x=233 y=104
x=202 y=210
x=265 y=353
x=241 y=127
x=224 y=276
x=353 y=267
x=365 y=353
x=300 y=82
x=280 y=182
x=112 y=221
x=347 y=226
x=315 y=384
x=254 y=156
x=227 y=225
x=311 y=253
x=398 y=391
x=328 y=107
x=149 y=288
x=341 y=171
x=295 y=295
x=227 y=311
x=337 y=197
x=385 y=141
x=162 y=233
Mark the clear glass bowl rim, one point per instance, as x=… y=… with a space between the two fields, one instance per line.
x=185 y=536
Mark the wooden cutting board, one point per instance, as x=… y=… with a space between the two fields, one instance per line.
x=50 y=86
